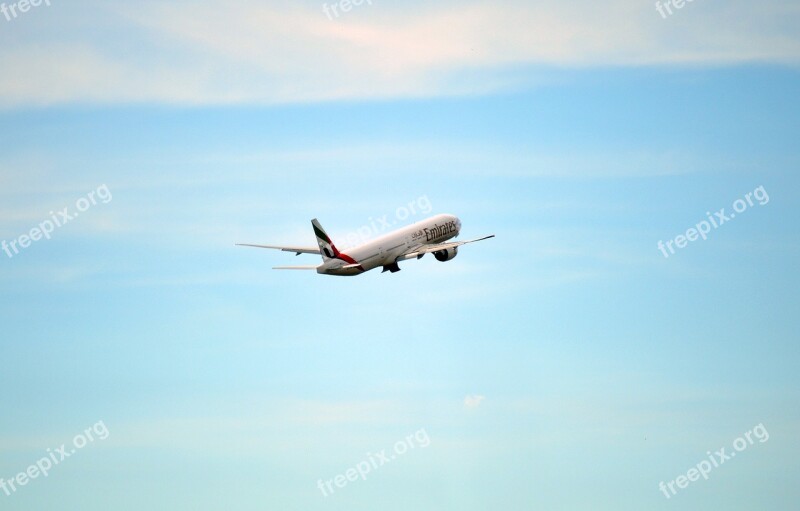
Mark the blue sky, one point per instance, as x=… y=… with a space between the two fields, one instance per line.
x=581 y=134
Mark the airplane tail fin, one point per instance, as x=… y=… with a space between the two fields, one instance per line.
x=326 y=247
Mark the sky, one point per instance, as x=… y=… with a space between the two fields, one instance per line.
x=598 y=347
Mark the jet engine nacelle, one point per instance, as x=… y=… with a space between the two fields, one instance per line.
x=446 y=254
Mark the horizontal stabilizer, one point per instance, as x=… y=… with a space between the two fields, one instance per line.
x=296 y=250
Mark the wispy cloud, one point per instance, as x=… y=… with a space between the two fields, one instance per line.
x=473 y=401
x=245 y=52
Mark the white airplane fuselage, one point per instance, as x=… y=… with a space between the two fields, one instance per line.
x=385 y=250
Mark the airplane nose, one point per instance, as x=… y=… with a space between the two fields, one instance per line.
x=458 y=226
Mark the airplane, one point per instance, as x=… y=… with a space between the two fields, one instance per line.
x=410 y=242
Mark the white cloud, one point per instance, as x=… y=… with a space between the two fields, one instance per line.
x=273 y=52
x=473 y=401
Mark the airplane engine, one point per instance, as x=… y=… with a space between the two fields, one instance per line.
x=446 y=254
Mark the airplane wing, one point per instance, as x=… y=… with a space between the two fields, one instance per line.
x=296 y=250
x=426 y=249
x=421 y=250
